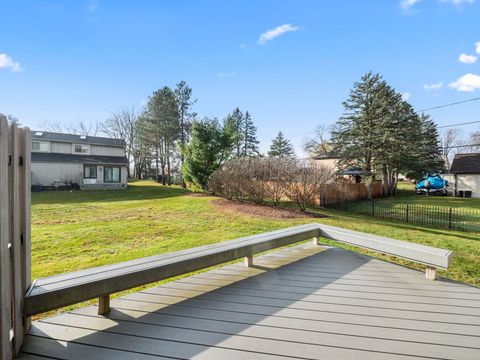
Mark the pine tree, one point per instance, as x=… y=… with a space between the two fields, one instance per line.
x=281 y=147
x=183 y=94
x=249 y=139
x=234 y=125
x=381 y=133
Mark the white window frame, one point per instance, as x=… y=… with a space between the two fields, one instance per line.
x=46 y=145
x=83 y=146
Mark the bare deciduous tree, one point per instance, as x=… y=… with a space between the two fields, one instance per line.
x=319 y=142
x=122 y=124
x=79 y=128
x=449 y=141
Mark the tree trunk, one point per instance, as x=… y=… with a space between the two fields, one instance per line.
x=368 y=186
x=162 y=163
x=169 y=175
x=156 y=164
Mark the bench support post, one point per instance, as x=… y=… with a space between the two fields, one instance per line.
x=103 y=304
x=430 y=273
x=316 y=241
x=248 y=260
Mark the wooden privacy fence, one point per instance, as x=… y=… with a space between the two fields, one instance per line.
x=341 y=192
x=15 y=182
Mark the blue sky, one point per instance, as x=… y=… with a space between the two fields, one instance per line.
x=65 y=61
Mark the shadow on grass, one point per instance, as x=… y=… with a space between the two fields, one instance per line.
x=144 y=192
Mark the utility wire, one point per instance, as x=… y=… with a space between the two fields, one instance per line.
x=422 y=110
x=451 y=104
x=465 y=123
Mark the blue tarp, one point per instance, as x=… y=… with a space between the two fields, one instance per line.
x=432 y=182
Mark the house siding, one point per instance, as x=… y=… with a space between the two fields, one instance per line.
x=59 y=147
x=106 y=150
x=46 y=175
x=465 y=182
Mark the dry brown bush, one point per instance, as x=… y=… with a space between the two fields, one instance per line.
x=269 y=180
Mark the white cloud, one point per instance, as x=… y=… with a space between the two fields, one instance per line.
x=467 y=59
x=407 y=4
x=466 y=83
x=477 y=45
x=406 y=95
x=459 y=2
x=434 y=86
x=226 y=74
x=6 y=62
x=273 y=33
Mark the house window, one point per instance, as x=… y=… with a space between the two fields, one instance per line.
x=111 y=174
x=41 y=146
x=90 y=171
x=81 y=149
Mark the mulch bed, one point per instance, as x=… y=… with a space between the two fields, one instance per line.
x=264 y=211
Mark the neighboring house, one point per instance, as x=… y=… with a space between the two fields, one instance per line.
x=328 y=161
x=91 y=162
x=465 y=174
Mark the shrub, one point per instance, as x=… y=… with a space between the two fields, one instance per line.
x=270 y=180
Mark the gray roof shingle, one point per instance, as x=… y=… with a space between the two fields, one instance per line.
x=71 y=158
x=71 y=138
x=466 y=164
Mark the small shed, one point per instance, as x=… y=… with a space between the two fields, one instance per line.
x=465 y=174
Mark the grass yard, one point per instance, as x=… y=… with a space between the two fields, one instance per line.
x=406 y=192
x=80 y=229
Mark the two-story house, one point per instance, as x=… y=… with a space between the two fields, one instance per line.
x=91 y=162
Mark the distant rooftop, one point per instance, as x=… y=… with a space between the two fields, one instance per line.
x=79 y=139
x=466 y=164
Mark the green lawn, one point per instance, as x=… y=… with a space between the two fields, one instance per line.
x=406 y=192
x=80 y=229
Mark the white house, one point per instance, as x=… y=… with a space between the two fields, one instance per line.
x=91 y=162
x=465 y=174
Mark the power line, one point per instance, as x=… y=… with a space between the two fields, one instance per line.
x=450 y=104
x=430 y=108
x=460 y=124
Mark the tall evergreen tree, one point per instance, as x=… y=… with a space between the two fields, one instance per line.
x=381 y=133
x=249 y=139
x=234 y=123
x=281 y=147
x=161 y=129
x=183 y=94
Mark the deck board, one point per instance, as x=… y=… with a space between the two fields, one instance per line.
x=303 y=302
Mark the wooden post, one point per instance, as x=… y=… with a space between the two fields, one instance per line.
x=25 y=221
x=316 y=241
x=430 y=273
x=248 y=260
x=6 y=349
x=103 y=304
x=16 y=237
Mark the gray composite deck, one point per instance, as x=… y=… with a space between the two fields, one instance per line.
x=303 y=302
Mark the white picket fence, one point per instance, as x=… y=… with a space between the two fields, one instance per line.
x=15 y=184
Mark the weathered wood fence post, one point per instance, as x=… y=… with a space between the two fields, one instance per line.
x=15 y=185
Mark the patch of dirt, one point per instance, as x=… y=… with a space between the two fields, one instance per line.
x=198 y=194
x=262 y=210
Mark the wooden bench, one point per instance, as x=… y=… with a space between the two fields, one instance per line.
x=62 y=290
x=431 y=257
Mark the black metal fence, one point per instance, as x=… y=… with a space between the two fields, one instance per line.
x=435 y=216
